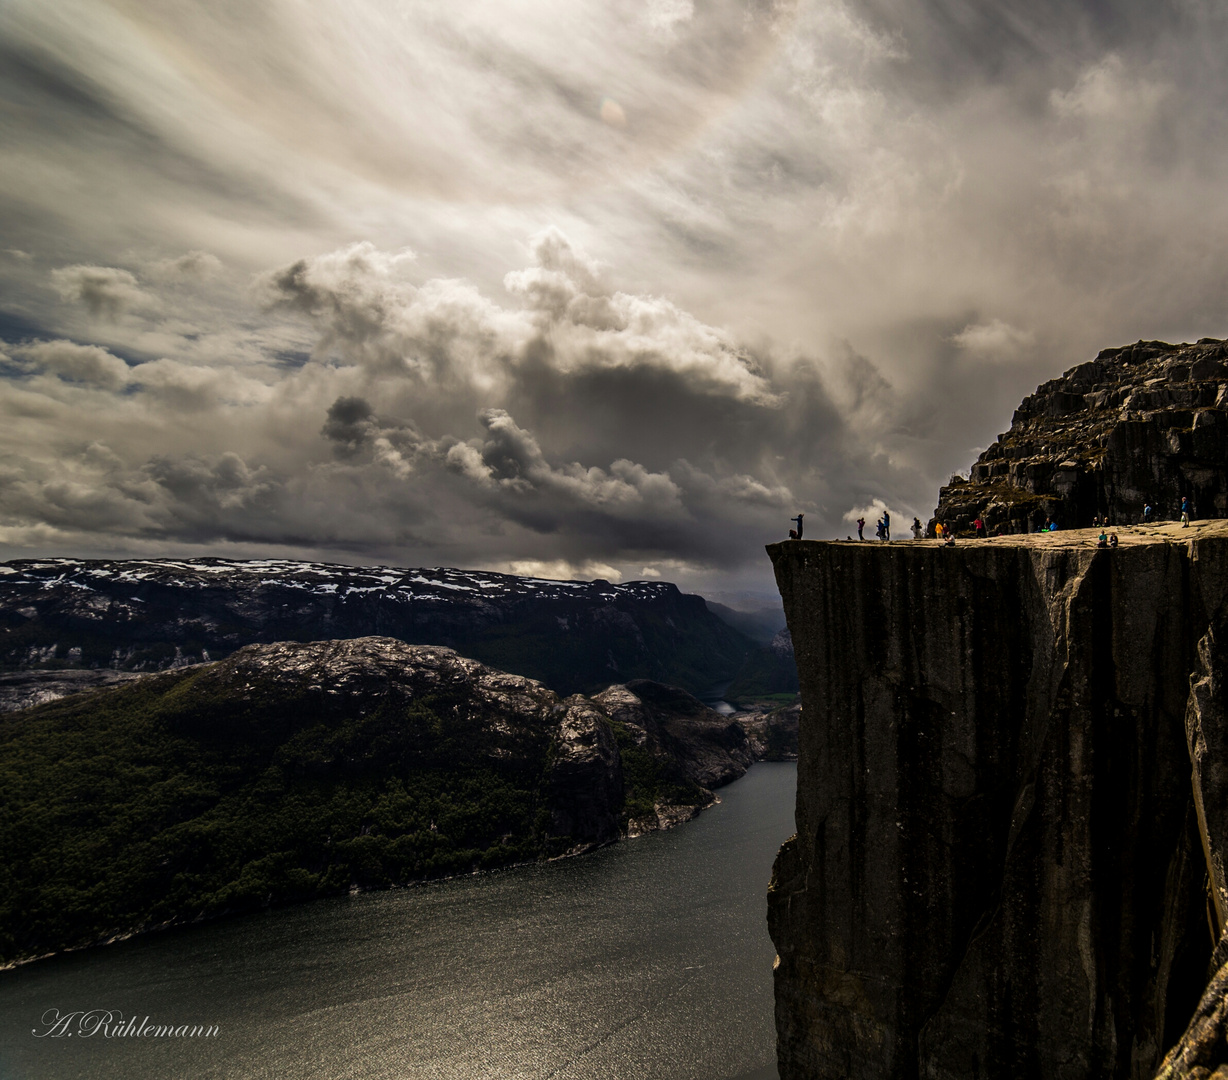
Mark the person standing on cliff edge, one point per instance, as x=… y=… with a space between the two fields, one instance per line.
x=886 y=524
x=796 y=534
x=861 y=524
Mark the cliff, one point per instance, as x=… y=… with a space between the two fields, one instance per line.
x=1012 y=808
x=1146 y=423
x=290 y=771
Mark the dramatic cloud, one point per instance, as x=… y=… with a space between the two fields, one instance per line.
x=106 y=291
x=593 y=288
x=67 y=360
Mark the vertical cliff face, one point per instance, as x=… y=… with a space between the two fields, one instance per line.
x=998 y=868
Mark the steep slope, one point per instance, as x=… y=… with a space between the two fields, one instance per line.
x=1003 y=828
x=150 y=615
x=289 y=771
x=1146 y=423
x=768 y=673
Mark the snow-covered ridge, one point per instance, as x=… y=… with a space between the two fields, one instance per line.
x=324 y=579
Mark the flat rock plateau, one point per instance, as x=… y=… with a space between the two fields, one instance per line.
x=1013 y=760
x=1012 y=806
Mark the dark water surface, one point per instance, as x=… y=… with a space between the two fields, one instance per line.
x=647 y=960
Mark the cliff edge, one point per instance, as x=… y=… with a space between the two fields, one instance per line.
x=1012 y=807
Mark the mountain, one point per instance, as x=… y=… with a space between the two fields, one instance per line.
x=295 y=770
x=1142 y=424
x=149 y=615
x=760 y=625
x=767 y=674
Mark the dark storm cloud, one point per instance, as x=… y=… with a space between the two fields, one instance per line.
x=785 y=257
x=349 y=424
x=577 y=425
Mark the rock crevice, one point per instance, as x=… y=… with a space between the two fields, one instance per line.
x=999 y=863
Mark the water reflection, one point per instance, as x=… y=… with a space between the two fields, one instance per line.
x=648 y=959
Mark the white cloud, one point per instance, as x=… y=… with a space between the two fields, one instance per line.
x=1107 y=90
x=558 y=570
x=107 y=291
x=994 y=340
x=87 y=364
x=198 y=265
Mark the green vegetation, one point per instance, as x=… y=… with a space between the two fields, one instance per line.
x=183 y=797
x=765 y=676
x=650 y=779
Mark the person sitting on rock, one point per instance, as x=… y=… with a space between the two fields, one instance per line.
x=1103 y=541
x=950 y=540
x=1112 y=540
x=796 y=534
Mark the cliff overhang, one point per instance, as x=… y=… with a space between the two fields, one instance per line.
x=1012 y=806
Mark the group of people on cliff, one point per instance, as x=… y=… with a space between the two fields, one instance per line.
x=945 y=532
x=882 y=530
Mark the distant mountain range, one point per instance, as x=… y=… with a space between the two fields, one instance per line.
x=574 y=636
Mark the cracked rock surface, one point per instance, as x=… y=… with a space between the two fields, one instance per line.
x=1012 y=808
x=1143 y=424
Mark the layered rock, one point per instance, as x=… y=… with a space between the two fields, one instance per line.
x=1143 y=424
x=1003 y=829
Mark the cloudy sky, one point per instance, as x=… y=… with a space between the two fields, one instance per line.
x=577 y=287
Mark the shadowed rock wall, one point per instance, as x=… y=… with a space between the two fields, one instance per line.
x=998 y=869
x=1147 y=423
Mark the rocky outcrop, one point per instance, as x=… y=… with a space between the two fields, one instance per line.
x=675 y=750
x=710 y=749
x=1011 y=797
x=1143 y=424
x=294 y=770
x=25 y=689
x=772 y=734
x=152 y=615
